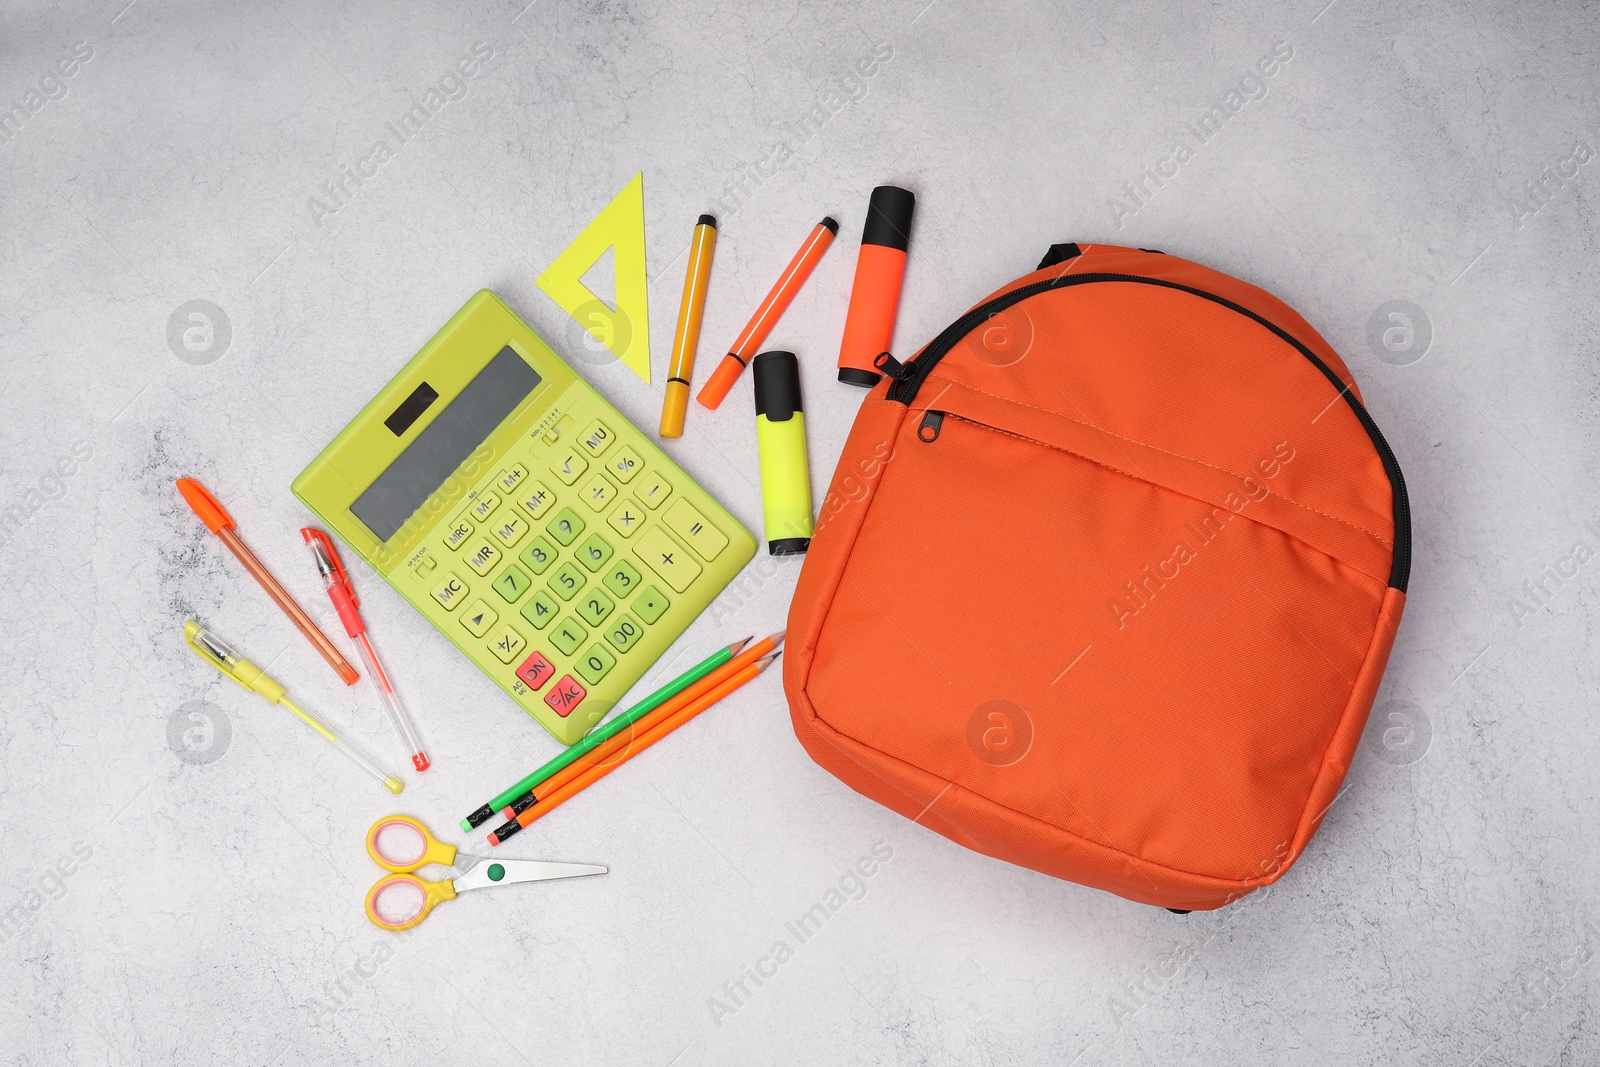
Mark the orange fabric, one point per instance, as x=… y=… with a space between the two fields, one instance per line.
x=1155 y=533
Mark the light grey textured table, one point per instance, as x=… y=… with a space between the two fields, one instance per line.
x=177 y=890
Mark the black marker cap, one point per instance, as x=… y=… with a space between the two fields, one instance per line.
x=889 y=217
x=789 y=546
x=707 y=220
x=777 y=378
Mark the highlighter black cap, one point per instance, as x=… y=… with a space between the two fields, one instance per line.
x=889 y=217
x=777 y=379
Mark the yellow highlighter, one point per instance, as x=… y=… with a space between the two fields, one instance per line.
x=210 y=648
x=781 y=438
x=687 y=339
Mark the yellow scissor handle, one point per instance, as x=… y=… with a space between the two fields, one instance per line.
x=432 y=893
x=433 y=851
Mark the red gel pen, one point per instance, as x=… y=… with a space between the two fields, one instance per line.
x=345 y=603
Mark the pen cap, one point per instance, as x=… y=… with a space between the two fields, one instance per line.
x=328 y=560
x=213 y=514
x=777 y=378
x=216 y=652
x=889 y=217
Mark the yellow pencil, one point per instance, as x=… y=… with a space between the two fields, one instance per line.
x=687 y=339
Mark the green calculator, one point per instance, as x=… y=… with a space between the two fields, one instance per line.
x=530 y=522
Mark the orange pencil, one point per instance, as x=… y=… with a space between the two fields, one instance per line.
x=763 y=648
x=767 y=315
x=662 y=729
x=668 y=708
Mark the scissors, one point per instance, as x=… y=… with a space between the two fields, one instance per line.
x=400 y=844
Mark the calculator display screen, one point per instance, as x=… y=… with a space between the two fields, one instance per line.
x=438 y=450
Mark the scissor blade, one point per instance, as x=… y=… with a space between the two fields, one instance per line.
x=484 y=874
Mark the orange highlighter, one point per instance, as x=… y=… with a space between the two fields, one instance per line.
x=219 y=522
x=767 y=315
x=875 y=295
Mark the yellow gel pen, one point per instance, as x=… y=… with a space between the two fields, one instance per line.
x=781 y=438
x=211 y=649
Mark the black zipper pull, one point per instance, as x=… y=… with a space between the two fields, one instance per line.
x=891 y=367
x=928 y=432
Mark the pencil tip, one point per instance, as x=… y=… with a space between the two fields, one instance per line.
x=738 y=646
x=766 y=661
x=777 y=639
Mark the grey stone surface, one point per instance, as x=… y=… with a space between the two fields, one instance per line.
x=1437 y=154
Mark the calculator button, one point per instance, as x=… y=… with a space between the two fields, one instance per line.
x=597 y=493
x=510 y=479
x=507 y=644
x=667 y=558
x=481 y=556
x=651 y=605
x=509 y=528
x=568 y=636
x=450 y=591
x=484 y=507
x=693 y=527
x=424 y=566
x=539 y=555
x=622 y=579
x=652 y=490
x=593 y=553
x=594 y=606
x=566 y=582
x=553 y=434
x=512 y=583
x=626 y=519
x=624 y=465
x=459 y=532
x=537 y=499
x=540 y=610
x=564 y=696
x=478 y=618
x=566 y=526
x=535 y=671
x=595 y=664
x=596 y=437
x=569 y=466
x=624 y=633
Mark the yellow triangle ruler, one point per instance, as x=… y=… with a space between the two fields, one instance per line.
x=625 y=330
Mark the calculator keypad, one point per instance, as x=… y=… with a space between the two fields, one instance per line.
x=582 y=541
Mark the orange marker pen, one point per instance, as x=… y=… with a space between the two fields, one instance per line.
x=767 y=315
x=875 y=295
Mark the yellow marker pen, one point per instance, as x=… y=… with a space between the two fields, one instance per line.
x=687 y=338
x=781 y=437
x=210 y=648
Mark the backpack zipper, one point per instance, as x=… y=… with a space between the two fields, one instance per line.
x=928 y=432
x=907 y=379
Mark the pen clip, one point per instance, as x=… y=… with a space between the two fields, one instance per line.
x=328 y=561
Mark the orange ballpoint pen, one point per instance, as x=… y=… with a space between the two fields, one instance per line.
x=219 y=522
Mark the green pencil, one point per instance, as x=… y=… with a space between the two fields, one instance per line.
x=605 y=733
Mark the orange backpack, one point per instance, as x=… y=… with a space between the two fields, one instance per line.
x=1105 y=581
